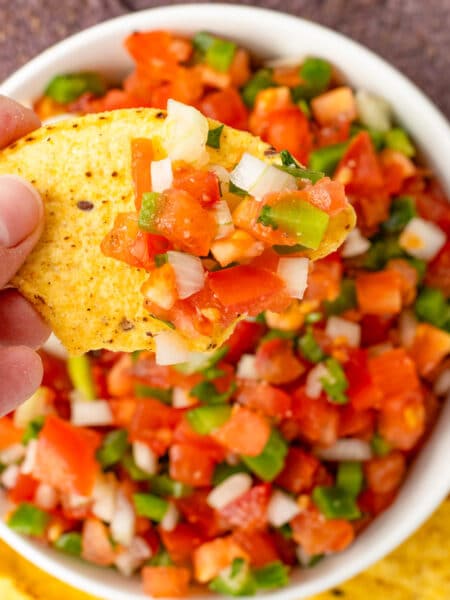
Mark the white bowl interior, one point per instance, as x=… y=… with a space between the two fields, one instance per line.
x=100 y=48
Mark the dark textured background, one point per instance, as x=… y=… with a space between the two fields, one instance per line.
x=414 y=35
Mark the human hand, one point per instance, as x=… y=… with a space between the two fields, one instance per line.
x=21 y=220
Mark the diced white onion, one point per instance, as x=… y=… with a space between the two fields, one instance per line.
x=314 y=385
x=189 y=273
x=294 y=272
x=247 y=172
x=123 y=523
x=407 y=325
x=46 y=496
x=35 y=406
x=223 y=218
x=54 y=346
x=442 y=383
x=281 y=509
x=342 y=328
x=181 y=398
x=93 y=414
x=355 y=244
x=170 y=519
x=170 y=348
x=380 y=348
x=284 y=61
x=9 y=476
x=185 y=132
x=104 y=497
x=145 y=458
x=422 y=239
x=246 y=367
x=27 y=466
x=345 y=449
x=272 y=180
x=373 y=111
x=222 y=173
x=12 y=454
x=132 y=557
x=161 y=174
x=230 y=489
x=74 y=501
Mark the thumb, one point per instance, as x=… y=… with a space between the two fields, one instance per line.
x=21 y=219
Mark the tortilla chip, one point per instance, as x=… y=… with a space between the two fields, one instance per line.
x=92 y=301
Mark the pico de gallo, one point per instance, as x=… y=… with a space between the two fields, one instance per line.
x=276 y=450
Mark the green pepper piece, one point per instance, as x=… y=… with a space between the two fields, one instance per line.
x=160 y=559
x=220 y=54
x=213 y=140
x=380 y=252
x=375 y=135
x=205 y=419
x=163 y=485
x=70 y=543
x=313 y=317
x=236 y=580
x=326 y=159
x=309 y=348
x=224 y=470
x=286 y=250
x=207 y=392
x=32 y=429
x=261 y=80
x=335 y=503
x=277 y=334
x=432 y=307
x=203 y=366
x=398 y=139
x=202 y=41
x=146 y=391
x=147 y=216
x=80 y=374
x=132 y=469
x=271 y=576
x=316 y=76
x=299 y=218
x=67 y=88
x=350 y=477
x=270 y=462
x=336 y=383
x=379 y=445
x=161 y=259
x=27 y=519
x=150 y=506
x=402 y=210
x=302 y=173
x=113 y=448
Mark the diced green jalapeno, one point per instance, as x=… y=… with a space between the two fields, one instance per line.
x=80 y=374
x=379 y=445
x=205 y=419
x=432 y=307
x=213 y=140
x=236 y=580
x=336 y=383
x=220 y=54
x=28 y=519
x=67 y=88
x=113 y=448
x=398 y=139
x=327 y=158
x=32 y=429
x=335 y=503
x=70 y=543
x=150 y=506
x=271 y=576
x=402 y=211
x=160 y=559
x=316 y=75
x=270 y=462
x=380 y=252
x=309 y=348
x=146 y=391
x=163 y=485
x=261 y=80
x=350 y=477
x=149 y=210
x=224 y=470
x=207 y=392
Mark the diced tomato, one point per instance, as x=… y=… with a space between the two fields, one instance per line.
x=379 y=293
x=196 y=510
x=24 y=489
x=150 y=415
x=298 y=473
x=324 y=280
x=225 y=106
x=396 y=168
x=181 y=542
x=429 y=348
x=359 y=169
x=288 y=129
x=186 y=87
x=184 y=434
x=276 y=363
x=318 y=535
x=191 y=464
x=259 y=545
x=385 y=474
x=243 y=339
x=9 y=433
x=211 y=558
x=123 y=410
x=438 y=272
x=401 y=421
x=335 y=104
x=184 y=222
x=372 y=503
x=362 y=392
x=408 y=279
x=166 y=582
x=249 y=289
x=333 y=133
x=201 y=185
x=375 y=329
x=358 y=423
x=249 y=511
x=119 y=379
x=245 y=432
x=158 y=52
x=393 y=372
x=65 y=456
x=270 y=400
x=433 y=205
x=96 y=545
x=371 y=210
x=318 y=420
x=55 y=373
x=240 y=68
x=141 y=157
x=126 y=242
x=114 y=99
x=268 y=101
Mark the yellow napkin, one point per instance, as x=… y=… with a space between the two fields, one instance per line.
x=418 y=570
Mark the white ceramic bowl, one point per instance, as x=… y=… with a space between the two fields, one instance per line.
x=270 y=35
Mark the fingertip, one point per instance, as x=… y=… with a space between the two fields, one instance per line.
x=21 y=210
x=21 y=373
x=16 y=120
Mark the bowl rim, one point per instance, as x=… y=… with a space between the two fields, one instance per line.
x=62 y=567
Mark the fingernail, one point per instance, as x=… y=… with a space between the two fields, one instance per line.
x=20 y=210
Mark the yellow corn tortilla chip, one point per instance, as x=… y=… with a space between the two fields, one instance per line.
x=92 y=301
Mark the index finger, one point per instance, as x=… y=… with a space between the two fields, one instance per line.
x=15 y=121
